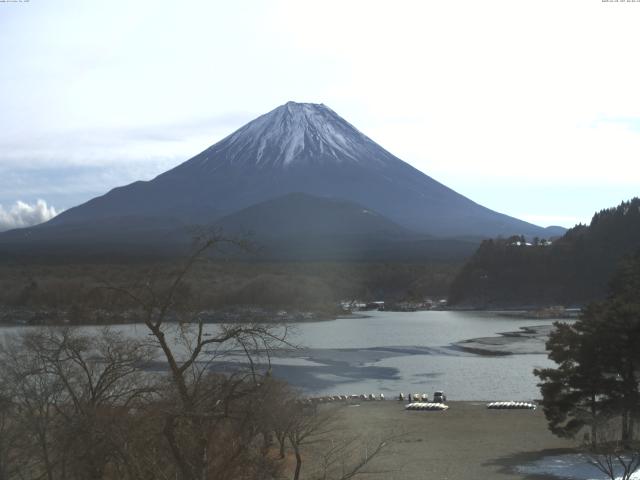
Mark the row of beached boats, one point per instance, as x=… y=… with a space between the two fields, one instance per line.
x=417 y=401
x=438 y=397
x=510 y=405
x=432 y=406
x=346 y=398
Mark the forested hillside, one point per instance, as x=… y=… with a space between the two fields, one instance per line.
x=571 y=270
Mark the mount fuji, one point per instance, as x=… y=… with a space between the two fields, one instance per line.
x=299 y=148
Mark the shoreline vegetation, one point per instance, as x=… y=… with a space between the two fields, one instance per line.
x=21 y=316
x=79 y=293
x=82 y=294
x=574 y=269
x=34 y=316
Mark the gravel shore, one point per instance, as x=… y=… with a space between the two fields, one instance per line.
x=466 y=442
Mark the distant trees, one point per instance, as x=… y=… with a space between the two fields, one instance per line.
x=74 y=293
x=573 y=270
x=597 y=381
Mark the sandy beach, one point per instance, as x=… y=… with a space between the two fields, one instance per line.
x=468 y=441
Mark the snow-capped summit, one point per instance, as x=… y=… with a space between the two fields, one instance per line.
x=292 y=133
x=306 y=148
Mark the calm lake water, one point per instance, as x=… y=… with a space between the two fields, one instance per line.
x=413 y=352
x=390 y=352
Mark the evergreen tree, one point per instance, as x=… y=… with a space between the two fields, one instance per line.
x=573 y=270
x=572 y=392
x=598 y=359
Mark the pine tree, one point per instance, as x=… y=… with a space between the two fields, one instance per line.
x=598 y=372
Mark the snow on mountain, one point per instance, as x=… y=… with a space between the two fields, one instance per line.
x=307 y=148
x=294 y=132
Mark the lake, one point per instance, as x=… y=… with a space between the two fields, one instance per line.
x=389 y=352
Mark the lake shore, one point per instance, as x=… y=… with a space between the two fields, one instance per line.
x=97 y=317
x=527 y=340
x=468 y=441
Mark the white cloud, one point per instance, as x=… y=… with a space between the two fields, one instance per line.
x=23 y=214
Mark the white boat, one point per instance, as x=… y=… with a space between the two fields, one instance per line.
x=426 y=406
x=510 y=405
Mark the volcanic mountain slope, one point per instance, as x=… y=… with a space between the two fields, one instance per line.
x=295 y=226
x=298 y=226
x=298 y=147
x=299 y=214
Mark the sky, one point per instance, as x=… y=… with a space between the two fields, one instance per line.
x=530 y=108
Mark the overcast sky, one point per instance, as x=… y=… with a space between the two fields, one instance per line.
x=531 y=108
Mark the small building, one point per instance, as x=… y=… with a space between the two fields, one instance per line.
x=379 y=305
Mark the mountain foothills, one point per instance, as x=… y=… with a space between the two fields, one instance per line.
x=303 y=180
x=301 y=226
x=573 y=270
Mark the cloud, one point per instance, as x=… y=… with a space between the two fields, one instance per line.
x=23 y=214
x=121 y=146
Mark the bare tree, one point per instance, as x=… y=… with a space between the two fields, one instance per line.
x=278 y=404
x=71 y=393
x=33 y=395
x=347 y=457
x=306 y=427
x=316 y=433
x=614 y=455
x=7 y=435
x=203 y=406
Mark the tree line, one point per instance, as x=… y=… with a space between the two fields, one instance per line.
x=571 y=270
x=78 y=293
